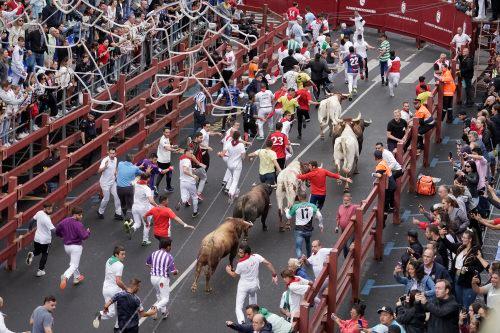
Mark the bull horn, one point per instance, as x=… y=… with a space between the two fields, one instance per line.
x=358 y=118
x=250 y=224
x=344 y=95
x=274 y=186
x=368 y=121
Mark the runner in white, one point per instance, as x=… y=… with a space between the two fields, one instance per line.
x=360 y=47
x=112 y=285
x=460 y=39
x=187 y=182
x=317 y=258
x=287 y=123
x=264 y=100
x=359 y=23
x=107 y=169
x=393 y=73
x=43 y=237
x=248 y=271
x=162 y=266
x=164 y=153
x=205 y=143
x=345 y=44
x=297 y=287
x=143 y=202
x=235 y=153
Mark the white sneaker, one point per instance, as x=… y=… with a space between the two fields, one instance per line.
x=7 y=145
x=59 y=115
x=35 y=127
x=40 y=273
x=23 y=135
x=100 y=89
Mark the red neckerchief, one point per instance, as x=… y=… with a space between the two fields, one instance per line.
x=294 y=279
x=303 y=50
x=183 y=157
x=263 y=89
x=234 y=142
x=283 y=48
x=282 y=120
x=142 y=182
x=245 y=257
x=289 y=97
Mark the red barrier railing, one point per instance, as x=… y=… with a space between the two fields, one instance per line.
x=269 y=42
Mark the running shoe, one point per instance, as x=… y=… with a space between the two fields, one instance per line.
x=29 y=258
x=164 y=315
x=118 y=217
x=40 y=272
x=350 y=97
x=195 y=214
x=170 y=190
x=355 y=91
x=146 y=243
x=100 y=216
x=127 y=225
x=78 y=280
x=97 y=320
x=260 y=138
x=201 y=197
x=63 y=283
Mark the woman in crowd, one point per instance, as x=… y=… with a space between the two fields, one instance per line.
x=357 y=317
x=415 y=278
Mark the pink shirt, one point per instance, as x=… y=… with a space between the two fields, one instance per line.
x=344 y=215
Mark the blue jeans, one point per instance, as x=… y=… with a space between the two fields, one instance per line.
x=464 y=296
x=268 y=178
x=383 y=68
x=318 y=200
x=300 y=238
x=39 y=59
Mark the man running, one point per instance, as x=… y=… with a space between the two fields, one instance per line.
x=187 y=182
x=196 y=162
x=360 y=47
x=112 y=285
x=280 y=144
x=383 y=50
x=304 y=213
x=354 y=62
x=162 y=266
x=264 y=100
x=268 y=163
x=129 y=308
x=205 y=143
x=125 y=175
x=73 y=233
x=143 y=201
x=305 y=100
x=108 y=169
x=317 y=177
x=161 y=216
x=393 y=72
x=164 y=153
x=234 y=154
x=248 y=271
x=43 y=237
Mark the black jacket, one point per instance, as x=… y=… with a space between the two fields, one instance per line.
x=52 y=16
x=36 y=42
x=439 y=272
x=443 y=315
x=319 y=69
x=417 y=253
x=247 y=328
x=411 y=318
x=472 y=266
x=288 y=63
x=466 y=67
x=253 y=87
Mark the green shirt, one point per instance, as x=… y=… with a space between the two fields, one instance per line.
x=384 y=47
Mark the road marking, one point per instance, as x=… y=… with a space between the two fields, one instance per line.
x=411 y=56
x=417 y=72
x=403 y=65
x=370 y=284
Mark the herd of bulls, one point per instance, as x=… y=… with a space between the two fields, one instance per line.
x=347 y=139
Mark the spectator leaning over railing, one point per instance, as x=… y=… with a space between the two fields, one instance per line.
x=491 y=290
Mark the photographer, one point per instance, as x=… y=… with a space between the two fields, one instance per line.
x=414 y=249
x=357 y=320
x=407 y=314
x=416 y=279
x=470 y=178
x=491 y=290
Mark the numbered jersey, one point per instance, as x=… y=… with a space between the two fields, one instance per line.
x=280 y=142
x=304 y=212
x=354 y=62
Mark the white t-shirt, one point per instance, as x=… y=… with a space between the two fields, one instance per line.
x=234 y=154
x=185 y=162
x=291 y=79
x=141 y=194
x=164 y=155
x=317 y=260
x=493 y=296
x=359 y=23
x=360 y=48
x=297 y=291
x=406 y=116
x=460 y=40
x=108 y=174
x=112 y=270
x=282 y=54
x=391 y=160
x=345 y=49
x=459 y=261
x=248 y=270
x=206 y=137
x=286 y=127
x=44 y=227
x=230 y=58
x=264 y=99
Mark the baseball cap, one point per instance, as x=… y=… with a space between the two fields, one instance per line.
x=386 y=309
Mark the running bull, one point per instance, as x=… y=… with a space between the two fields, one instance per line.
x=254 y=204
x=216 y=245
x=358 y=126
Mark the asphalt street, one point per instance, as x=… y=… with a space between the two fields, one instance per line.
x=201 y=312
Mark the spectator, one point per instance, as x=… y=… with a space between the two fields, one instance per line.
x=433 y=269
x=443 y=309
x=278 y=324
x=457 y=217
x=426 y=121
x=259 y=325
x=396 y=130
x=318 y=257
x=345 y=213
x=386 y=319
x=357 y=319
x=295 y=265
x=411 y=317
x=297 y=288
x=414 y=250
x=382 y=168
x=491 y=290
x=416 y=278
x=466 y=64
x=42 y=318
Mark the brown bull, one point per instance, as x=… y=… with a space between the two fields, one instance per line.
x=216 y=245
x=254 y=204
x=358 y=126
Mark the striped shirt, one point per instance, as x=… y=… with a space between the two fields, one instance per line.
x=200 y=98
x=384 y=47
x=161 y=263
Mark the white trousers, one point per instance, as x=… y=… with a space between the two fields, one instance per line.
x=188 y=190
x=75 y=253
x=241 y=294
x=393 y=79
x=345 y=72
x=278 y=114
x=108 y=189
x=264 y=113
x=138 y=215
x=352 y=80
x=481 y=13
x=234 y=178
x=108 y=293
x=162 y=287
x=202 y=175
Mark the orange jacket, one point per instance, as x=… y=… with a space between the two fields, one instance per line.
x=448 y=83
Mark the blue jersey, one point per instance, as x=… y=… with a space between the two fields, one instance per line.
x=354 y=62
x=231 y=94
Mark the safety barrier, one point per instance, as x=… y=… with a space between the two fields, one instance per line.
x=146 y=119
x=366 y=229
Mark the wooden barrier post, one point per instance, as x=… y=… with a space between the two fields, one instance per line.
x=11 y=214
x=332 y=287
x=396 y=218
x=439 y=114
x=63 y=175
x=458 y=91
x=44 y=142
x=413 y=154
x=381 y=187
x=358 y=249
x=304 y=317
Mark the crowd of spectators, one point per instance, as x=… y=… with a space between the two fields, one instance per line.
x=477 y=8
